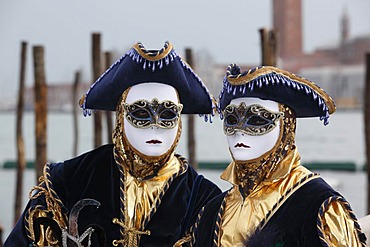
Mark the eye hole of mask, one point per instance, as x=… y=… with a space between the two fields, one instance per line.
x=231 y=120
x=167 y=115
x=141 y=114
x=257 y=121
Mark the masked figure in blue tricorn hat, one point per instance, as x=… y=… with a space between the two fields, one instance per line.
x=136 y=191
x=274 y=201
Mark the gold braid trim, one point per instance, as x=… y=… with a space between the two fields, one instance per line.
x=250 y=75
x=156 y=55
x=322 y=229
x=286 y=195
x=37 y=211
x=53 y=210
x=185 y=239
x=132 y=235
x=190 y=235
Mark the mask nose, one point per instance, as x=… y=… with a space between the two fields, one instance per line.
x=239 y=133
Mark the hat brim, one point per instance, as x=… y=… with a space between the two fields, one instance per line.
x=136 y=67
x=304 y=97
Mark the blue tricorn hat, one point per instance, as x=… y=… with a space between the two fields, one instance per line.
x=139 y=65
x=304 y=97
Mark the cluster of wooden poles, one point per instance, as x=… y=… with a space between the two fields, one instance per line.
x=268 y=39
x=268 y=51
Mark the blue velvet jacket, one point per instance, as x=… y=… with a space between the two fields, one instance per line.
x=294 y=224
x=95 y=175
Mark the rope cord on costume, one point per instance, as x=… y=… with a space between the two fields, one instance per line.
x=51 y=197
x=183 y=168
x=219 y=220
x=186 y=239
x=130 y=235
x=53 y=205
x=282 y=199
x=28 y=220
x=189 y=236
x=320 y=217
x=194 y=228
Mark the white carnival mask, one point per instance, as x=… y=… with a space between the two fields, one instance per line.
x=152 y=114
x=252 y=127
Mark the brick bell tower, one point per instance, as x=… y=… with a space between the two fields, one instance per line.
x=287 y=21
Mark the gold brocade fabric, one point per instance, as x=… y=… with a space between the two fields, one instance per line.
x=240 y=216
x=339 y=229
x=142 y=195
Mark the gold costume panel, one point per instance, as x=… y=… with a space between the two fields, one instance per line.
x=339 y=228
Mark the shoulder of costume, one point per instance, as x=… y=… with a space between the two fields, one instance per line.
x=86 y=160
x=340 y=202
x=99 y=151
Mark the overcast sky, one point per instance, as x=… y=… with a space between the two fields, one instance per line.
x=226 y=29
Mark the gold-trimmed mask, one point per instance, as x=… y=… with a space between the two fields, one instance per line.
x=252 y=120
x=145 y=114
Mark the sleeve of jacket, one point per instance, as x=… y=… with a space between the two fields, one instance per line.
x=337 y=224
x=23 y=232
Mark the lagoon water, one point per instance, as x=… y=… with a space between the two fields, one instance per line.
x=341 y=141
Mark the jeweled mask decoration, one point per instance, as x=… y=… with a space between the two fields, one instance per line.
x=251 y=126
x=145 y=114
x=252 y=120
x=151 y=118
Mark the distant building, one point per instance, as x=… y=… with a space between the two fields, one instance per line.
x=339 y=68
x=287 y=21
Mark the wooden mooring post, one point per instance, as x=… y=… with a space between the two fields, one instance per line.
x=108 y=114
x=367 y=127
x=96 y=64
x=268 y=47
x=191 y=123
x=1 y=235
x=40 y=110
x=21 y=160
x=75 y=112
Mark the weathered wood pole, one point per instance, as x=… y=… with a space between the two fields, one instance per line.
x=1 y=235
x=75 y=112
x=40 y=109
x=367 y=127
x=191 y=123
x=264 y=46
x=268 y=47
x=273 y=47
x=21 y=160
x=108 y=114
x=96 y=63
